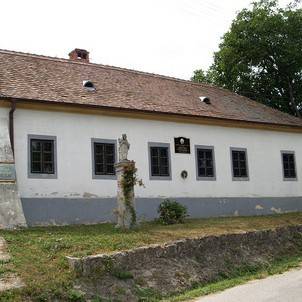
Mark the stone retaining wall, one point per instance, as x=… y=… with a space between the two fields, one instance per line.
x=179 y=265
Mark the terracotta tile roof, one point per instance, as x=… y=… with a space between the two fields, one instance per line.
x=27 y=76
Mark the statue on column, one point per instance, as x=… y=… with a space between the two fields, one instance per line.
x=123 y=148
x=126 y=180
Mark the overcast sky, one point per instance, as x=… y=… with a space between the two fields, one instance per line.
x=170 y=37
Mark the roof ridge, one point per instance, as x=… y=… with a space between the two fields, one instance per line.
x=64 y=60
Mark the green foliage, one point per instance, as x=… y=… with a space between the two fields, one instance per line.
x=129 y=180
x=260 y=56
x=147 y=294
x=108 y=265
x=171 y=212
x=97 y=299
x=122 y=275
x=76 y=296
x=200 y=76
x=238 y=277
x=46 y=272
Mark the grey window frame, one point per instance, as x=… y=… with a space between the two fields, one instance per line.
x=289 y=178
x=166 y=145
x=42 y=175
x=102 y=141
x=204 y=147
x=247 y=164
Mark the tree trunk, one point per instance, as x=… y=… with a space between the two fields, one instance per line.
x=292 y=99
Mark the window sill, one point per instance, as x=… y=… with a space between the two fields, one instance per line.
x=240 y=179
x=290 y=179
x=199 y=178
x=42 y=176
x=109 y=177
x=160 y=178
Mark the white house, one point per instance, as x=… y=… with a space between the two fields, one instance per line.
x=215 y=151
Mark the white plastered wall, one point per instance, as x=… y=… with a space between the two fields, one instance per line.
x=74 y=133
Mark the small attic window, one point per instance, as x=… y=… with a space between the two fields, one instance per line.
x=205 y=99
x=89 y=85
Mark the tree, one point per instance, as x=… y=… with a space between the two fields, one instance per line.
x=261 y=56
x=200 y=76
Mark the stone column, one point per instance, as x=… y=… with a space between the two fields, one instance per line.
x=124 y=212
x=11 y=211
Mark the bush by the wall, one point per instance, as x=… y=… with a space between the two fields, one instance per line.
x=171 y=212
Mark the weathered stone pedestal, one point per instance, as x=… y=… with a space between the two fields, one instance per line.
x=11 y=211
x=125 y=207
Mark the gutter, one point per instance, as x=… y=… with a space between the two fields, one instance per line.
x=11 y=124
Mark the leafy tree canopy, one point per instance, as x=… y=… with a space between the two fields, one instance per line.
x=261 y=56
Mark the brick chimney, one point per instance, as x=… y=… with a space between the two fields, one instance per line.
x=79 y=55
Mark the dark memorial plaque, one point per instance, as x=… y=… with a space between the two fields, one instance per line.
x=7 y=172
x=182 y=145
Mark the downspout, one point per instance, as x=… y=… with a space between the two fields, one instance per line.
x=11 y=124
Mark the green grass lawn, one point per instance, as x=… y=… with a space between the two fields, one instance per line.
x=38 y=254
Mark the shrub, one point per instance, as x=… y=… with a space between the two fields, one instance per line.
x=123 y=275
x=171 y=212
x=76 y=296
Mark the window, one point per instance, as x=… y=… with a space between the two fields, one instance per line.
x=103 y=158
x=159 y=161
x=205 y=162
x=205 y=99
x=159 y=157
x=42 y=156
x=239 y=164
x=89 y=85
x=289 y=165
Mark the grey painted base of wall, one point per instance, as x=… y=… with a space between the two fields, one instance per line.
x=62 y=211
x=11 y=214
